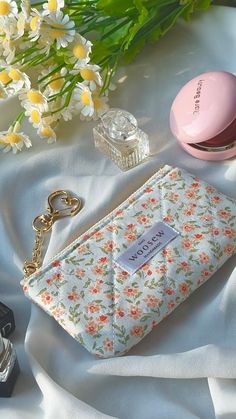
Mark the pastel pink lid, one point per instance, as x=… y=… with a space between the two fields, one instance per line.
x=204 y=107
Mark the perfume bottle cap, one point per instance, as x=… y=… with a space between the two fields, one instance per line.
x=119 y=124
x=203 y=116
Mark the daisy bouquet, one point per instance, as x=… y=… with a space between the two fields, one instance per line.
x=59 y=56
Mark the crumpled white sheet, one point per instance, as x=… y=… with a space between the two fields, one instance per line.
x=186 y=368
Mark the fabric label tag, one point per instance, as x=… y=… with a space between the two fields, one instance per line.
x=146 y=247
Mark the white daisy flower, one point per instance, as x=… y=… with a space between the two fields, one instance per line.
x=53 y=6
x=21 y=25
x=90 y=75
x=34 y=98
x=69 y=111
x=59 y=28
x=4 y=78
x=8 y=28
x=35 y=22
x=8 y=8
x=19 y=79
x=55 y=81
x=100 y=105
x=45 y=131
x=35 y=116
x=9 y=50
x=79 y=50
x=15 y=141
x=84 y=100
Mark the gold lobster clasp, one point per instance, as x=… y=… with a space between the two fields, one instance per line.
x=60 y=204
x=71 y=205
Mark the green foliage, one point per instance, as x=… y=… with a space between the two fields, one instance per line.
x=137 y=22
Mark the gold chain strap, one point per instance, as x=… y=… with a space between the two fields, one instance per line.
x=70 y=206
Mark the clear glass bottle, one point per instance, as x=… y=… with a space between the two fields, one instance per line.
x=118 y=136
x=9 y=367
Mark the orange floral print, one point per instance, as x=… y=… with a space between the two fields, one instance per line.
x=169 y=291
x=130 y=291
x=229 y=248
x=130 y=236
x=143 y=219
x=95 y=290
x=58 y=312
x=190 y=194
x=185 y=266
x=134 y=312
x=104 y=307
x=103 y=319
x=224 y=213
x=103 y=260
x=73 y=296
x=152 y=301
x=80 y=272
x=108 y=345
x=229 y=232
x=171 y=304
x=46 y=297
x=188 y=227
x=92 y=307
x=98 y=270
x=56 y=263
x=204 y=258
x=184 y=288
x=120 y=312
x=136 y=331
x=108 y=246
x=91 y=328
x=186 y=244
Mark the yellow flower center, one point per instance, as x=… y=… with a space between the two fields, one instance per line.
x=52 y=5
x=34 y=22
x=87 y=74
x=15 y=74
x=11 y=138
x=47 y=132
x=85 y=98
x=79 y=51
x=35 y=97
x=57 y=31
x=35 y=116
x=56 y=84
x=5 y=8
x=4 y=78
x=97 y=103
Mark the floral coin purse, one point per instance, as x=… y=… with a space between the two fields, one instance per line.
x=112 y=285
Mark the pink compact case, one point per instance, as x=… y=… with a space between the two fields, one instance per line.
x=203 y=116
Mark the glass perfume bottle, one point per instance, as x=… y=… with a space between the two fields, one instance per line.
x=9 y=367
x=119 y=136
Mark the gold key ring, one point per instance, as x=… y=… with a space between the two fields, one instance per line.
x=72 y=207
x=69 y=206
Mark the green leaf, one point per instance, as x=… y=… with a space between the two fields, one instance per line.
x=154 y=35
x=100 y=50
x=115 y=8
x=141 y=20
x=203 y=4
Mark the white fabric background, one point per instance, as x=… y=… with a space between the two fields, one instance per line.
x=186 y=368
